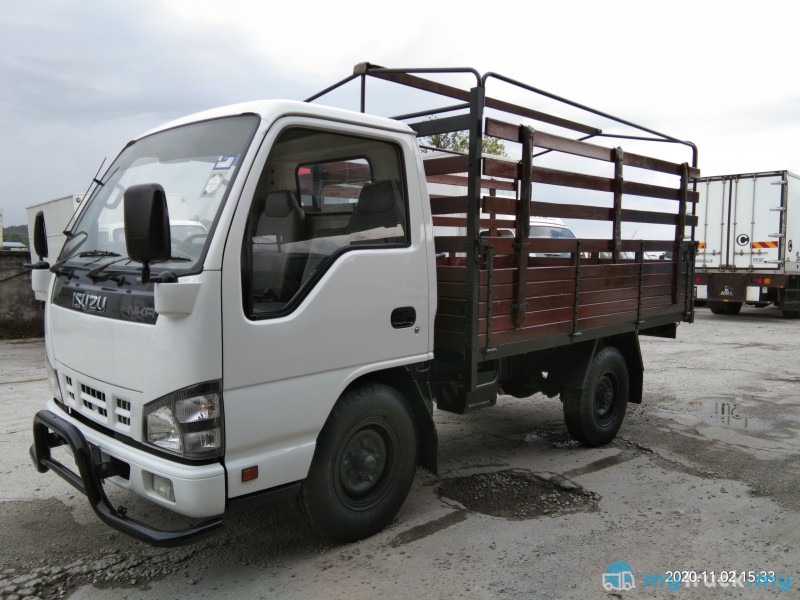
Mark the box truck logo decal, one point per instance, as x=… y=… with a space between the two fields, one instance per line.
x=743 y=239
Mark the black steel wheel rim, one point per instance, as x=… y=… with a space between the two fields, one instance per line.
x=363 y=467
x=604 y=399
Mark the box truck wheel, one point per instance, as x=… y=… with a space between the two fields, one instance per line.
x=363 y=465
x=594 y=414
x=725 y=308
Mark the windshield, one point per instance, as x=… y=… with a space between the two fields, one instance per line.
x=549 y=231
x=195 y=164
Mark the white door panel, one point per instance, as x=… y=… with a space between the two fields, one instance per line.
x=282 y=376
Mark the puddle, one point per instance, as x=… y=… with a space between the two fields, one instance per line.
x=725 y=412
x=518 y=495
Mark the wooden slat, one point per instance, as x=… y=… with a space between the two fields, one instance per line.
x=451 y=307
x=655 y=164
x=448 y=273
x=447 y=205
x=460 y=180
x=441 y=125
x=540 y=116
x=450 y=289
x=446 y=165
x=511 y=133
x=498 y=168
x=449 y=221
x=506 y=206
x=450 y=323
x=445 y=243
x=572 y=211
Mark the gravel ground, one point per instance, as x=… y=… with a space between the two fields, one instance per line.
x=703 y=477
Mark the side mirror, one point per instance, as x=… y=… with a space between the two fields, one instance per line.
x=147 y=235
x=40 y=270
x=40 y=236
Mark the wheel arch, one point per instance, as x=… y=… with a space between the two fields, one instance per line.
x=571 y=373
x=413 y=386
x=631 y=351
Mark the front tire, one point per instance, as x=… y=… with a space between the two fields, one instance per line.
x=363 y=465
x=594 y=414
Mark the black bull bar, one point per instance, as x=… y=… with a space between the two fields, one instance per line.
x=51 y=431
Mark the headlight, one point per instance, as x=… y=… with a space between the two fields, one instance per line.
x=188 y=422
x=52 y=379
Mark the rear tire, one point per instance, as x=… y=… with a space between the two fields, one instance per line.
x=733 y=308
x=725 y=308
x=594 y=414
x=363 y=465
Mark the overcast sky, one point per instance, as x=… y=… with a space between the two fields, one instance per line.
x=79 y=78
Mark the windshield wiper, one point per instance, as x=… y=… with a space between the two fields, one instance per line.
x=89 y=253
x=94 y=274
x=60 y=269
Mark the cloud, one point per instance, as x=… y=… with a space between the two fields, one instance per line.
x=81 y=77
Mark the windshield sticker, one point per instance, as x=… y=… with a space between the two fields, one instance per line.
x=225 y=162
x=213 y=183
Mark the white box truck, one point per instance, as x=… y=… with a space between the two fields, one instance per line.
x=749 y=242
x=57 y=213
x=296 y=335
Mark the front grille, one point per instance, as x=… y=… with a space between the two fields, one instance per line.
x=123 y=412
x=94 y=400
x=101 y=407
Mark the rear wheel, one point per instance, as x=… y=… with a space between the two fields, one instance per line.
x=363 y=466
x=594 y=414
x=725 y=308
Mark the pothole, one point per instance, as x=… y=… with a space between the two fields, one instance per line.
x=518 y=495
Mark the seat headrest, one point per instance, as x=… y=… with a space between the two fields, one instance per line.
x=378 y=197
x=280 y=204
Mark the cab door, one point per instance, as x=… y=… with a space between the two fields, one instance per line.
x=325 y=279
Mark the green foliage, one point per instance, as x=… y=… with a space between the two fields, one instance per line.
x=458 y=141
x=16 y=233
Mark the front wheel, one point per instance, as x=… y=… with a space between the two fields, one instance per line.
x=594 y=414
x=363 y=465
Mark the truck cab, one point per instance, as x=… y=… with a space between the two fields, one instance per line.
x=315 y=232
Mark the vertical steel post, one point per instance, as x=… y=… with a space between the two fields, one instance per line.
x=619 y=157
x=477 y=97
x=680 y=232
x=523 y=229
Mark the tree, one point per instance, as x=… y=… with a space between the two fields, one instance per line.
x=16 y=233
x=458 y=141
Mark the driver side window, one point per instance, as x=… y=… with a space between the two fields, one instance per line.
x=320 y=195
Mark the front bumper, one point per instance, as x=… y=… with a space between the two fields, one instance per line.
x=50 y=431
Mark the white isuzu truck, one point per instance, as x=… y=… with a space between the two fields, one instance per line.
x=265 y=299
x=749 y=242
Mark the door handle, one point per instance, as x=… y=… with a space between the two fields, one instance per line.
x=403 y=317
